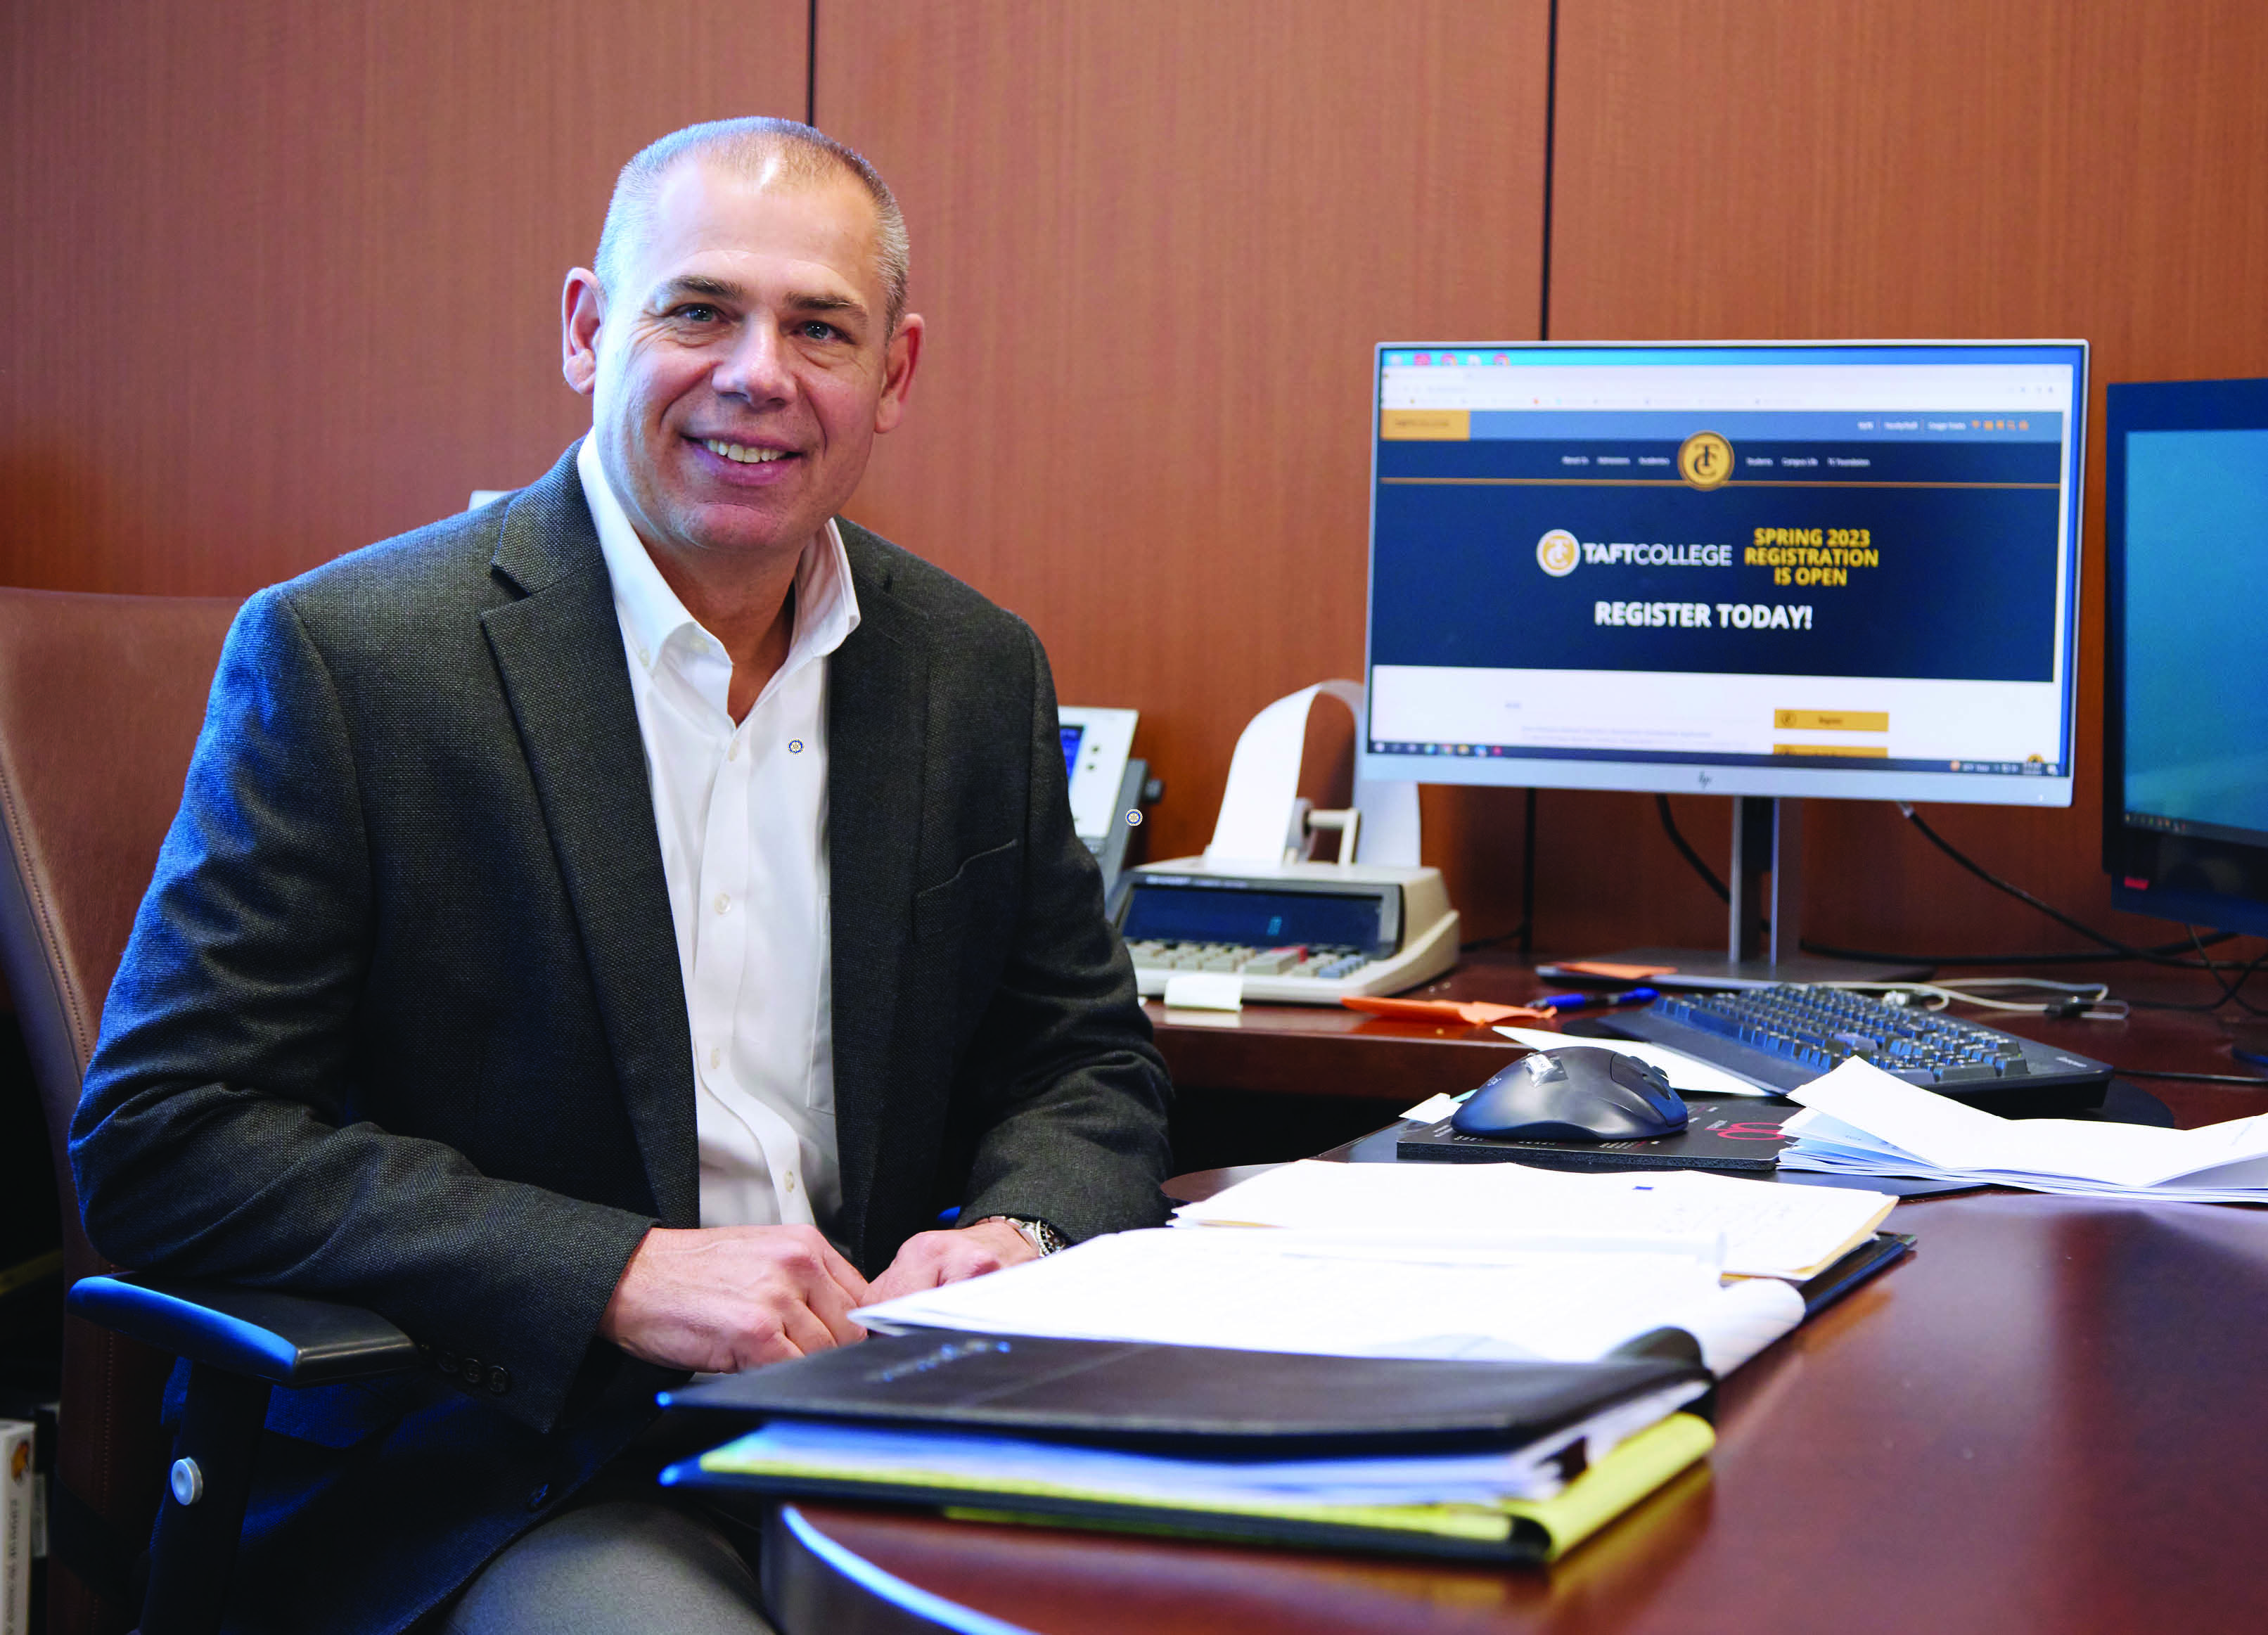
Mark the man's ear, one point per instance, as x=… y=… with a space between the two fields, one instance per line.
x=581 y=304
x=899 y=357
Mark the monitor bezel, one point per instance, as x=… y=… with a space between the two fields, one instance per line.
x=2221 y=405
x=1727 y=778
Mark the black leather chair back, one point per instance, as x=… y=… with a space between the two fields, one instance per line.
x=102 y=698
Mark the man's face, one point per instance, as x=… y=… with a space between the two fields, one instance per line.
x=740 y=372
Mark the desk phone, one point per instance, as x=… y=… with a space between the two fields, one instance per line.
x=1311 y=933
x=1105 y=781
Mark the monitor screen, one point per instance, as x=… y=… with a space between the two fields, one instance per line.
x=2186 y=721
x=1777 y=570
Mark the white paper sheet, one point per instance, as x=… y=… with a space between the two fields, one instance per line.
x=1433 y=1107
x=1255 y=825
x=1285 y=1291
x=1686 y=1073
x=1767 y=1230
x=1204 y=990
x=1861 y=1120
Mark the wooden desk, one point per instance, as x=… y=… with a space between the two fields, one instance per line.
x=2041 y=1422
x=1332 y=1052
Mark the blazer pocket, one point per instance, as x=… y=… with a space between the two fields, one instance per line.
x=983 y=885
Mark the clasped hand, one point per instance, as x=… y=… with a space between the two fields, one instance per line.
x=718 y=1300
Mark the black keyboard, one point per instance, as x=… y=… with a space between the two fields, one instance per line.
x=1778 y=1038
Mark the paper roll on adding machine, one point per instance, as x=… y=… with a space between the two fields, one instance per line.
x=1258 y=917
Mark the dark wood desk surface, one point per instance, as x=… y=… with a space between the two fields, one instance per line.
x=1327 y=1050
x=2041 y=1422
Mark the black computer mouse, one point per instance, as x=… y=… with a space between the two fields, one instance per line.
x=1579 y=1093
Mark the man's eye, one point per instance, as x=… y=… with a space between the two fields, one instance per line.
x=696 y=314
x=814 y=329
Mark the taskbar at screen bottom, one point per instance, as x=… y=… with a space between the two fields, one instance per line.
x=1834 y=776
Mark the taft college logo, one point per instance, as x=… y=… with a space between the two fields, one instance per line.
x=1557 y=553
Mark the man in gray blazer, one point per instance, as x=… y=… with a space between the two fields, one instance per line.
x=604 y=930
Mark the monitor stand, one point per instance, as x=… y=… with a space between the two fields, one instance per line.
x=1764 y=929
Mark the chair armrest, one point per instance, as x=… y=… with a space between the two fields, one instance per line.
x=286 y=1339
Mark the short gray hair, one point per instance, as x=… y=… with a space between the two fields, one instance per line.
x=745 y=145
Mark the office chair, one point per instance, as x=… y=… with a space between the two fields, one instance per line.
x=100 y=700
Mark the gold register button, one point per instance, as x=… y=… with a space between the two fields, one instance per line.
x=1831 y=720
x=1426 y=426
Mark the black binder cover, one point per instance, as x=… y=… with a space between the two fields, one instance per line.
x=1185 y=1399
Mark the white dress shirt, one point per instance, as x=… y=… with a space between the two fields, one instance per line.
x=741 y=811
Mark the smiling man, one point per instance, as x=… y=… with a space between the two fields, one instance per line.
x=604 y=931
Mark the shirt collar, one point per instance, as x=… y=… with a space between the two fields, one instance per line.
x=826 y=602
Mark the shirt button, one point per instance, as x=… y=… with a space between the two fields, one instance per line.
x=790 y=1181
x=716 y=1055
x=733 y=754
x=723 y=901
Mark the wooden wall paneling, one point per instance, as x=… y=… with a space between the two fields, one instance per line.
x=1155 y=245
x=283 y=279
x=1839 y=168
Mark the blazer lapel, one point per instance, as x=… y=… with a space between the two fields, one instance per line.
x=877 y=728
x=559 y=650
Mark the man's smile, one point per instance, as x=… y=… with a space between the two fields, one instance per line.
x=743 y=453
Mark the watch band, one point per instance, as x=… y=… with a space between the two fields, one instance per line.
x=1042 y=1237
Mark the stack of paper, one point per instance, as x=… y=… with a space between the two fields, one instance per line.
x=1859 y=1120
x=1767 y=1230
x=1366 y=1295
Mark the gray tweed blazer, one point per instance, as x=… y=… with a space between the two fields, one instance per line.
x=401 y=1022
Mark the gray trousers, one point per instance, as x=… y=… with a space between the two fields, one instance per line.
x=658 y=1565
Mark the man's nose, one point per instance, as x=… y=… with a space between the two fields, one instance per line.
x=757 y=368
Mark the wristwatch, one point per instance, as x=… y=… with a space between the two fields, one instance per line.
x=1044 y=1238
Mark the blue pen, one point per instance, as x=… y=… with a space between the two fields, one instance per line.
x=1598 y=1001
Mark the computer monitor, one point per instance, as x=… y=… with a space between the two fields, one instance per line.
x=2186 y=713
x=1845 y=569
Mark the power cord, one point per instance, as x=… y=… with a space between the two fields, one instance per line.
x=1685 y=850
x=2111 y=948
x=2229 y=991
x=2162 y=952
x=2069 y=1000
x=2127 y=949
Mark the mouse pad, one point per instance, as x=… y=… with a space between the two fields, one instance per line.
x=1740 y=1135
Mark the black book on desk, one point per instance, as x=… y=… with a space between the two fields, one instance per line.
x=1182 y=1399
x=1733 y=1135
